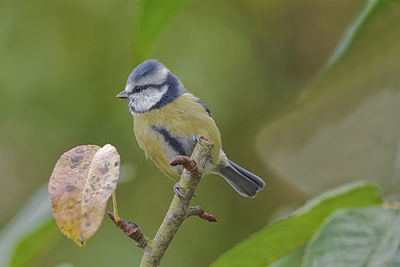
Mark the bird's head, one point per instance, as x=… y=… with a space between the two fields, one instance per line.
x=151 y=85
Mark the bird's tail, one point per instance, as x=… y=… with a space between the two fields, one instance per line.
x=244 y=182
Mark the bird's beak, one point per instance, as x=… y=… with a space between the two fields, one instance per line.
x=123 y=95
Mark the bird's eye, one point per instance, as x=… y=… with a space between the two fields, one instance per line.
x=137 y=89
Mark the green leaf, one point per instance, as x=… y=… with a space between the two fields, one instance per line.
x=152 y=17
x=292 y=259
x=346 y=126
x=396 y=260
x=277 y=240
x=33 y=230
x=353 y=30
x=67 y=264
x=356 y=237
x=35 y=244
x=33 y=215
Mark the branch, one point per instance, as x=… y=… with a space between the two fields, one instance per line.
x=179 y=209
x=198 y=211
x=132 y=230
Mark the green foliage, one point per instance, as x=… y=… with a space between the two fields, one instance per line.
x=35 y=244
x=33 y=231
x=152 y=17
x=275 y=241
x=346 y=125
x=292 y=259
x=33 y=220
x=52 y=98
x=354 y=29
x=396 y=260
x=356 y=237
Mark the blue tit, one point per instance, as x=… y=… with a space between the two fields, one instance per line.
x=168 y=118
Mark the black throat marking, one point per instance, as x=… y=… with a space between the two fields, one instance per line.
x=172 y=141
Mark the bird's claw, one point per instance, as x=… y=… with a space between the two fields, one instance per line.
x=198 y=138
x=177 y=191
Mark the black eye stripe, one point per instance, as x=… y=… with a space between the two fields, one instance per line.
x=140 y=88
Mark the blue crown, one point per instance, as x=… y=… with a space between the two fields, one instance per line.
x=146 y=68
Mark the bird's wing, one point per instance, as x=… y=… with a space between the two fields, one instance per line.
x=204 y=106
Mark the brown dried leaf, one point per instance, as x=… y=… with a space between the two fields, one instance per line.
x=102 y=181
x=82 y=181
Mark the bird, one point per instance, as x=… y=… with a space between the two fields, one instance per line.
x=168 y=120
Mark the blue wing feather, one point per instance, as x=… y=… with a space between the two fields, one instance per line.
x=204 y=106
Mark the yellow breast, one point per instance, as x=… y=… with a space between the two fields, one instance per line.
x=183 y=117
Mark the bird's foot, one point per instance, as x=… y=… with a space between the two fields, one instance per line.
x=177 y=191
x=198 y=138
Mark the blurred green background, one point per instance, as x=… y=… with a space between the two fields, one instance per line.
x=259 y=66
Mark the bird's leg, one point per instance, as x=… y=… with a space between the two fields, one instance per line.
x=189 y=165
x=198 y=138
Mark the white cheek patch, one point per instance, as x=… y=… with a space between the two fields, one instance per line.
x=145 y=100
x=159 y=77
